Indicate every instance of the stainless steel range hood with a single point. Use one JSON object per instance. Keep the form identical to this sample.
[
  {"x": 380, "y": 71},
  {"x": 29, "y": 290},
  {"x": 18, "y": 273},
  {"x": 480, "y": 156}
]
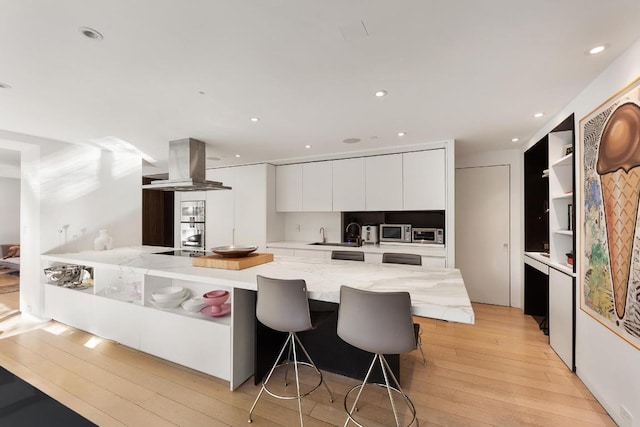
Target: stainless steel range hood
[{"x": 187, "y": 169}]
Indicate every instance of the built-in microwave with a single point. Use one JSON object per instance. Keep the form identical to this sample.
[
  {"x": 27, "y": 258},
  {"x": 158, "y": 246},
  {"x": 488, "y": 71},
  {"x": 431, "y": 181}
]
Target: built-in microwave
[
  {"x": 395, "y": 233},
  {"x": 427, "y": 235}
]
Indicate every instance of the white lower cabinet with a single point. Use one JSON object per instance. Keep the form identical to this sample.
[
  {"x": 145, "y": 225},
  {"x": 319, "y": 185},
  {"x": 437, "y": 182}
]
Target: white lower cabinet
[
  {"x": 436, "y": 262},
  {"x": 70, "y": 307},
  {"x": 118, "y": 321},
  {"x": 202, "y": 343},
  {"x": 197, "y": 343},
  {"x": 308, "y": 253},
  {"x": 561, "y": 315}
]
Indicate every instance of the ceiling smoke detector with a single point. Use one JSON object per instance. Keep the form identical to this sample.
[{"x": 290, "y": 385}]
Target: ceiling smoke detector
[{"x": 90, "y": 33}]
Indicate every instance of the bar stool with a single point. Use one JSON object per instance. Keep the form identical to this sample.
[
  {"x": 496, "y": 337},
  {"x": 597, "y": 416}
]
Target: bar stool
[
  {"x": 395, "y": 258},
  {"x": 408, "y": 259},
  {"x": 380, "y": 323},
  {"x": 282, "y": 305},
  {"x": 348, "y": 255}
]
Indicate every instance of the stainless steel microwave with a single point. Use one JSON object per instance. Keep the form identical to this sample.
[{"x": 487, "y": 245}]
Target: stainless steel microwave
[
  {"x": 395, "y": 233},
  {"x": 427, "y": 235}
]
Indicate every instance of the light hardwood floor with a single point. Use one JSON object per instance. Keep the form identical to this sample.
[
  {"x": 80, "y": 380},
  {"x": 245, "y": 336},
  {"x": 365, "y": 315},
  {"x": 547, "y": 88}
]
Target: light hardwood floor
[{"x": 500, "y": 371}]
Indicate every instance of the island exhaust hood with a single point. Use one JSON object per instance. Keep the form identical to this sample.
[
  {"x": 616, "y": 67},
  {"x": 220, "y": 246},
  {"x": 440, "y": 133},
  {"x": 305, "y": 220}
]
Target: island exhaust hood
[{"x": 187, "y": 169}]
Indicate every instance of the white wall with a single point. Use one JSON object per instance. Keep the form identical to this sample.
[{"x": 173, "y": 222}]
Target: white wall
[
  {"x": 9, "y": 210},
  {"x": 513, "y": 158},
  {"x": 609, "y": 366},
  {"x": 84, "y": 189},
  {"x": 305, "y": 226},
  {"x": 64, "y": 184}
]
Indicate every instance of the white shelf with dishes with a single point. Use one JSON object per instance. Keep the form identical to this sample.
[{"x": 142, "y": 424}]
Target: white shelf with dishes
[{"x": 120, "y": 306}]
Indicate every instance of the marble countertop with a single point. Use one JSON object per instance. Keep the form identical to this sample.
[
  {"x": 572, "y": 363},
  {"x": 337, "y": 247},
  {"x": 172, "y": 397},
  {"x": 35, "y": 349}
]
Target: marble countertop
[
  {"x": 432, "y": 250},
  {"x": 437, "y": 293}
]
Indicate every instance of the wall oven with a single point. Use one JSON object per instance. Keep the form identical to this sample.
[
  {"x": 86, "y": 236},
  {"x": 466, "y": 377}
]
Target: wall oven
[
  {"x": 395, "y": 233},
  {"x": 192, "y": 224},
  {"x": 427, "y": 235}
]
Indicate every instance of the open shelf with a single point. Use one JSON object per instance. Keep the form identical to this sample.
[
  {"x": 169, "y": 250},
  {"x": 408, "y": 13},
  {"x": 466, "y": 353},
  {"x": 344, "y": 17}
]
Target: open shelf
[
  {"x": 568, "y": 195},
  {"x": 564, "y": 161}
]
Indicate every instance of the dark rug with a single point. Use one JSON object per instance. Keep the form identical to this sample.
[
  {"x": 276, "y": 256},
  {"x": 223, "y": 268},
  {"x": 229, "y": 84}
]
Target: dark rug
[{"x": 23, "y": 405}]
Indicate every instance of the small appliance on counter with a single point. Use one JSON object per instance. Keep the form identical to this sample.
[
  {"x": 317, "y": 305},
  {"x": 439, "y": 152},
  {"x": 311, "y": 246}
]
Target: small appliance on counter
[
  {"x": 395, "y": 233},
  {"x": 369, "y": 234},
  {"x": 427, "y": 235}
]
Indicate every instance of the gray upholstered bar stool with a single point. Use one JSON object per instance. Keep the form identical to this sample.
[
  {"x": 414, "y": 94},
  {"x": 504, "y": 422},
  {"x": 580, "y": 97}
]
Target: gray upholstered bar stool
[
  {"x": 408, "y": 259},
  {"x": 282, "y": 305},
  {"x": 380, "y": 323},
  {"x": 348, "y": 255}
]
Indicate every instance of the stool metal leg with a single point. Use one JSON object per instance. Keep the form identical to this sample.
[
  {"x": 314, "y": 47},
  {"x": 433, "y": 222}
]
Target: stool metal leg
[
  {"x": 286, "y": 369},
  {"x": 273, "y": 368},
  {"x": 386, "y": 371},
  {"x": 290, "y": 344},
  {"x": 315, "y": 367}
]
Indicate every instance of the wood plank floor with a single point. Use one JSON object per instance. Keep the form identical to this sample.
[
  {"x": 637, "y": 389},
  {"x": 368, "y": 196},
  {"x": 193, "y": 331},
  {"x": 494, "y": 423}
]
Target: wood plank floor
[{"x": 500, "y": 372}]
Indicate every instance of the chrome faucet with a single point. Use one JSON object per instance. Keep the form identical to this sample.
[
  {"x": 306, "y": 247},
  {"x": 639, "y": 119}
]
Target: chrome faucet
[
  {"x": 359, "y": 235},
  {"x": 324, "y": 239}
]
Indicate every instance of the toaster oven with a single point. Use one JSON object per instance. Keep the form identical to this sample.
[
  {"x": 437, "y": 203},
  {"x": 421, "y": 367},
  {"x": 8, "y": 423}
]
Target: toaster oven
[{"x": 427, "y": 235}]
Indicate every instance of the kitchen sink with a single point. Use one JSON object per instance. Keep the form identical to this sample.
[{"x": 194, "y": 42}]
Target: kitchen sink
[{"x": 349, "y": 244}]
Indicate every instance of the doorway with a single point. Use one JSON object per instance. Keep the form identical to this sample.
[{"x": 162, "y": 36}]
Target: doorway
[{"x": 483, "y": 232}]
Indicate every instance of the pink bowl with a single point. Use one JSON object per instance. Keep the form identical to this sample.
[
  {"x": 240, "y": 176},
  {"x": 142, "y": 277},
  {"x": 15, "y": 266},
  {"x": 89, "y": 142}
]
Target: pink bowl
[{"x": 216, "y": 298}]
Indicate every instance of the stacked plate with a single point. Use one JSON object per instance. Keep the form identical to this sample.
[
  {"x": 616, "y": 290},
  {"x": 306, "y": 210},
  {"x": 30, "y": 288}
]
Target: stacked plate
[{"x": 169, "y": 297}]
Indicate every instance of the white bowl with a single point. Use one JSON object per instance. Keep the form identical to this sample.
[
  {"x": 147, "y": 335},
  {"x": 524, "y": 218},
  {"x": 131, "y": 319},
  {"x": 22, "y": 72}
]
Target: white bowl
[
  {"x": 194, "y": 305},
  {"x": 172, "y": 303},
  {"x": 170, "y": 293}
]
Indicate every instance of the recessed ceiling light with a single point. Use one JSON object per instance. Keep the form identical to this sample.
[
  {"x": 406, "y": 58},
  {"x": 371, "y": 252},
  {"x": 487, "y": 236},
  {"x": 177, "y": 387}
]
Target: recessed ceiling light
[
  {"x": 351, "y": 140},
  {"x": 4, "y": 86},
  {"x": 201, "y": 92},
  {"x": 254, "y": 119},
  {"x": 538, "y": 115},
  {"x": 515, "y": 139},
  {"x": 381, "y": 93},
  {"x": 307, "y": 146},
  {"x": 374, "y": 137},
  {"x": 402, "y": 133},
  {"x": 597, "y": 49},
  {"x": 90, "y": 33},
  {"x": 237, "y": 155}
]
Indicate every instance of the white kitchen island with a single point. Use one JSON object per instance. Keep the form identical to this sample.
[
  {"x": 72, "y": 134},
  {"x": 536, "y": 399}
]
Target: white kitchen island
[{"x": 117, "y": 307}]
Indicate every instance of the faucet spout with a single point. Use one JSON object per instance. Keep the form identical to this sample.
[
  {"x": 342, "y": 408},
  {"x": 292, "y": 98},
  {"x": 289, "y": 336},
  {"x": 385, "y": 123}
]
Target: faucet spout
[{"x": 324, "y": 239}]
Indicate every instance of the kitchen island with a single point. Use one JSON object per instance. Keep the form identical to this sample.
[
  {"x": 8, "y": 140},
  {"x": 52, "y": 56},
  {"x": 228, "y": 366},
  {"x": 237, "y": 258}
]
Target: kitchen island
[{"x": 118, "y": 306}]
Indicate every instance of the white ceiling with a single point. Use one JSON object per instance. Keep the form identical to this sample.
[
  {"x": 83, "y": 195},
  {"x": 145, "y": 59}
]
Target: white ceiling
[{"x": 471, "y": 70}]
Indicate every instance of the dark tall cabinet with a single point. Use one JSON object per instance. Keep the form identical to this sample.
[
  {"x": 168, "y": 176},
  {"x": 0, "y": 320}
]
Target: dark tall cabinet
[{"x": 157, "y": 216}]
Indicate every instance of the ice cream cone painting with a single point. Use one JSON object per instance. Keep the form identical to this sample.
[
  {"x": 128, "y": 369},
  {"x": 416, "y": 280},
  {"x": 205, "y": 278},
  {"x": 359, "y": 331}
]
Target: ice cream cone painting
[
  {"x": 610, "y": 243},
  {"x": 618, "y": 161}
]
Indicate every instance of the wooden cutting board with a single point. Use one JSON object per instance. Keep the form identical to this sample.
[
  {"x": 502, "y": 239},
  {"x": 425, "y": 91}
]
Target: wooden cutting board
[{"x": 217, "y": 261}]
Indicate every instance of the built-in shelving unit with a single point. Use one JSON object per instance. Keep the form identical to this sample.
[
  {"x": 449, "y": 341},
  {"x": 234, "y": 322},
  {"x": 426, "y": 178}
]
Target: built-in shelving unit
[{"x": 561, "y": 191}]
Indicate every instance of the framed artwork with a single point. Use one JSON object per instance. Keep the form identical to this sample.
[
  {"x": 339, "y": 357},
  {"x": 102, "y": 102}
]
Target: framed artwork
[{"x": 610, "y": 245}]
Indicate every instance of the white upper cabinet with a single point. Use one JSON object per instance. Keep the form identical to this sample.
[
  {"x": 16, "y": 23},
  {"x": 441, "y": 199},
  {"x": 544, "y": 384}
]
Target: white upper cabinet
[
  {"x": 219, "y": 209},
  {"x": 289, "y": 188},
  {"x": 349, "y": 185},
  {"x": 384, "y": 183},
  {"x": 317, "y": 187},
  {"x": 237, "y": 216},
  {"x": 424, "y": 180}
]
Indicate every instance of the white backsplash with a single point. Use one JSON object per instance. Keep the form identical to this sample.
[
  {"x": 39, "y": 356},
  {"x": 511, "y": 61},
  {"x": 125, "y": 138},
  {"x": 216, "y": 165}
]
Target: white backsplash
[{"x": 305, "y": 226}]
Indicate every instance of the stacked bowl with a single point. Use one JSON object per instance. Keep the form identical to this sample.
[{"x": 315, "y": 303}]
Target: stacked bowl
[
  {"x": 215, "y": 301},
  {"x": 169, "y": 297}
]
